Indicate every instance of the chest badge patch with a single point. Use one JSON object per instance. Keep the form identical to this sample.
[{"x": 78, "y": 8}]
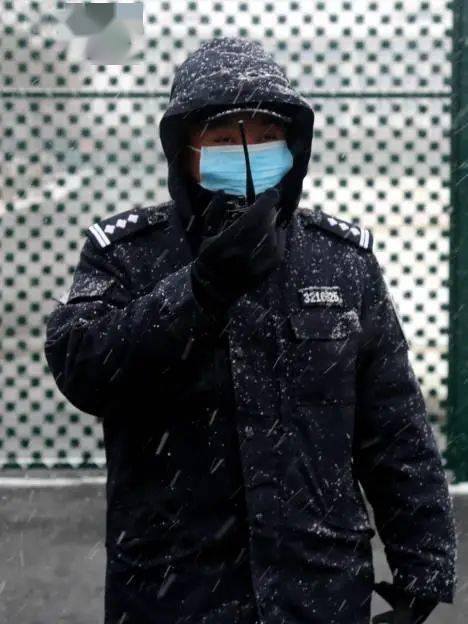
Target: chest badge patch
[{"x": 320, "y": 295}]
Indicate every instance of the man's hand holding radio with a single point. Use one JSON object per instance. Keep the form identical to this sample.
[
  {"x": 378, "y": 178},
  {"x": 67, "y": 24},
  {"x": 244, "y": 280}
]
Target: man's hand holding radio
[{"x": 231, "y": 261}]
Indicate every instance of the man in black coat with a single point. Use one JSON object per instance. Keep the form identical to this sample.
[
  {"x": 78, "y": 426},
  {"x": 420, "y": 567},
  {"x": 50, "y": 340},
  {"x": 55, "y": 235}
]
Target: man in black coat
[{"x": 250, "y": 373}]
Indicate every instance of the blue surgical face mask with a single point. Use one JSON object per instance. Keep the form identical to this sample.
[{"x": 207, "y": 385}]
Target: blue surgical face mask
[{"x": 223, "y": 166}]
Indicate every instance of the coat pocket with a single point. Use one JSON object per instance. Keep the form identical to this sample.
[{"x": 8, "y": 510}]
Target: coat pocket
[
  {"x": 321, "y": 471},
  {"x": 323, "y": 349}
]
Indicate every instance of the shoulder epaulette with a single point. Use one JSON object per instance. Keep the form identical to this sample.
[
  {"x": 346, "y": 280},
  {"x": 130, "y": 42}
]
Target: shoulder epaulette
[
  {"x": 122, "y": 224},
  {"x": 360, "y": 236}
]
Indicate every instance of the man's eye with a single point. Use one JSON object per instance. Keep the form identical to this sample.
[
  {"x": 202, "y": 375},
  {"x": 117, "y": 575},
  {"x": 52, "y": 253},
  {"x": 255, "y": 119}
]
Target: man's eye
[{"x": 223, "y": 139}]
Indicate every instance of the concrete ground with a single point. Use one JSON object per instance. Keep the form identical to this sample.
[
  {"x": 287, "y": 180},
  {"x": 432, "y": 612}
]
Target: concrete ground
[{"x": 52, "y": 554}]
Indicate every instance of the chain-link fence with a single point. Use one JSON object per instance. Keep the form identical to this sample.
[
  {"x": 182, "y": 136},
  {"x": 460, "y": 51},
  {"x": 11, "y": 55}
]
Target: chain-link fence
[{"x": 79, "y": 141}]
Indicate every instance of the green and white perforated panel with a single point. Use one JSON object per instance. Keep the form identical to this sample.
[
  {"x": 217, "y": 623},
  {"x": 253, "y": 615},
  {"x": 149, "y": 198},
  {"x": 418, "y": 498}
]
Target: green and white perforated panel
[{"x": 79, "y": 140}]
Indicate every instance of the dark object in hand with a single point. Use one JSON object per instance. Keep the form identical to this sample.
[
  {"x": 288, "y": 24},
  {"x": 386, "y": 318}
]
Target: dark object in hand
[
  {"x": 239, "y": 257},
  {"x": 407, "y": 609}
]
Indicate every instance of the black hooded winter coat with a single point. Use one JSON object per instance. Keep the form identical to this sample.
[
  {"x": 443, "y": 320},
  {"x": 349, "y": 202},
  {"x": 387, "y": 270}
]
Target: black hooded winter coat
[{"x": 239, "y": 447}]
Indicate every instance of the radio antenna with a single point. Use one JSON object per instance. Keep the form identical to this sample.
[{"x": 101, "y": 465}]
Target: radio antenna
[{"x": 249, "y": 187}]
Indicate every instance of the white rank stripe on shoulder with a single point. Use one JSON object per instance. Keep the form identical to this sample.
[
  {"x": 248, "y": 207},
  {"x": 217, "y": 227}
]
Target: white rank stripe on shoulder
[
  {"x": 363, "y": 233},
  {"x": 99, "y": 235},
  {"x": 364, "y": 240}
]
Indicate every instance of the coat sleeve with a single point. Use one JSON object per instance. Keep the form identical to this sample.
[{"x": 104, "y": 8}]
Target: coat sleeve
[
  {"x": 102, "y": 343},
  {"x": 396, "y": 457}
]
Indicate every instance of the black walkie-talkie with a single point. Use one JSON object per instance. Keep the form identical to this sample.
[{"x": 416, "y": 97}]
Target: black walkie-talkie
[{"x": 249, "y": 187}]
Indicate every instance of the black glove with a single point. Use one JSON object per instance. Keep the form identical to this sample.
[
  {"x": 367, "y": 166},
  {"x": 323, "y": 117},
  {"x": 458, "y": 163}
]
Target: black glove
[
  {"x": 407, "y": 609},
  {"x": 237, "y": 258}
]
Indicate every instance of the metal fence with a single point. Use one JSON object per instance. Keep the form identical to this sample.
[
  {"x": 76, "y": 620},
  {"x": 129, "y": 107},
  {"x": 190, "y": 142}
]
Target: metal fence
[{"x": 79, "y": 141}]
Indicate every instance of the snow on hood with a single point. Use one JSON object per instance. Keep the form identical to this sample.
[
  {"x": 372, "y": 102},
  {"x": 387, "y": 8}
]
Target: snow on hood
[{"x": 233, "y": 71}]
